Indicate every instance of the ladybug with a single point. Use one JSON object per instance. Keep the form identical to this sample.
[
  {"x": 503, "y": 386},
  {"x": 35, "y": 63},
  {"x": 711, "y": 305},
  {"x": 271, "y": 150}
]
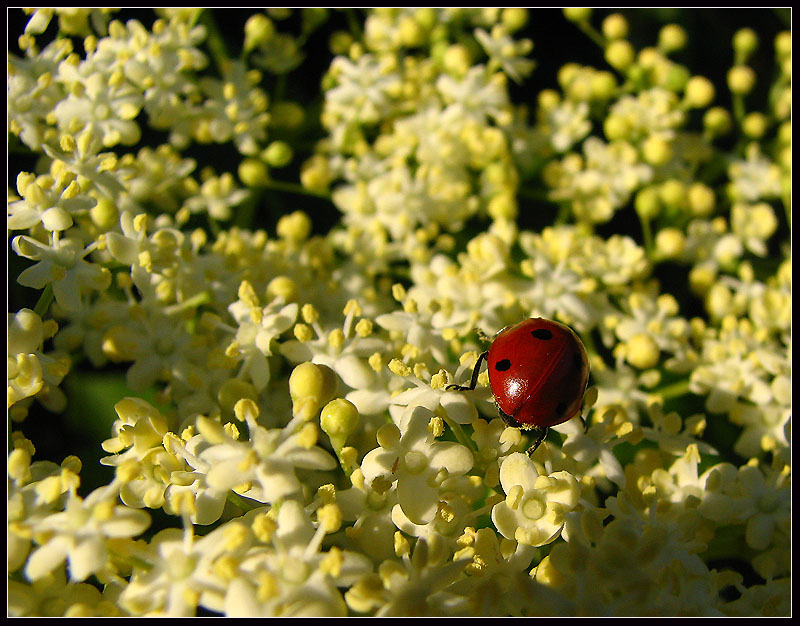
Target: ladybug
[{"x": 538, "y": 372}]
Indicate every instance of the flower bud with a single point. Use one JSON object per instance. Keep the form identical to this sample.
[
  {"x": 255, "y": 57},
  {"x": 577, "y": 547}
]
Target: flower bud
[
  {"x": 754, "y": 125},
  {"x": 578, "y": 14},
  {"x": 670, "y": 242},
  {"x": 278, "y": 154},
  {"x": 741, "y": 79},
  {"x": 701, "y": 199},
  {"x": 656, "y": 150},
  {"x": 717, "y": 121},
  {"x": 671, "y": 38},
  {"x": 615, "y": 26},
  {"x": 642, "y": 351},
  {"x": 310, "y": 387},
  {"x": 699, "y": 92},
  {"x": 620, "y": 54},
  {"x": 253, "y": 172},
  {"x": 745, "y": 43},
  {"x": 339, "y": 418}
]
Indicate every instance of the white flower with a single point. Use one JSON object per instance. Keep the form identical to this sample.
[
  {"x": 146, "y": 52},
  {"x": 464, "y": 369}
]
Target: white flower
[
  {"x": 419, "y": 584},
  {"x": 601, "y": 182},
  {"x": 363, "y": 92},
  {"x": 48, "y": 202},
  {"x": 79, "y": 534},
  {"x": 347, "y": 352},
  {"x": 535, "y": 505},
  {"x": 568, "y": 123},
  {"x": 456, "y": 406},
  {"x": 410, "y": 456},
  {"x": 63, "y": 266},
  {"x": 478, "y": 95},
  {"x": 294, "y": 577},
  {"x": 105, "y": 105},
  {"x": 263, "y": 468},
  {"x": 256, "y": 329},
  {"x": 32, "y": 92},
  {"x": 755, "y": 177},
  {"x": 180, "y": 576},
  {"x": 217, "y": 197},
  {"x": 159, "y": 64},
  {"x": 653, "y": 111},
  {"x": 593, "y": 451},
  {"x": 505, "y": 52}
]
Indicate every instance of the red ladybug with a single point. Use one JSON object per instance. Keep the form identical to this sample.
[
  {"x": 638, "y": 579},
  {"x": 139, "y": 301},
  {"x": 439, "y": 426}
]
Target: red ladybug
[{"x": 538, "y": 371}]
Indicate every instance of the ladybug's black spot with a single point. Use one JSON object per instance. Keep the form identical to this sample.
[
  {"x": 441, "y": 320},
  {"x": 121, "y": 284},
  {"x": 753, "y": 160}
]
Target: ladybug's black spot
[
  {"x": 561, "y": 408},
  {"x": 542, "y": 333},
  {"x": 577, "y": 361},
  {"x": 502, "y": 365}
]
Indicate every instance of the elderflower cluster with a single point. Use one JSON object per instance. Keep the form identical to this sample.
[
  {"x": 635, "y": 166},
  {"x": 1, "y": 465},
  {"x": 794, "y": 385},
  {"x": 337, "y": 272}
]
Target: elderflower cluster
[{"x": 256, "y": 255}]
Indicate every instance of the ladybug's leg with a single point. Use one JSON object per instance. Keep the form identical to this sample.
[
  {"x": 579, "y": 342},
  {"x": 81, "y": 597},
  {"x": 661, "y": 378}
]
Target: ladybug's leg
[
  {"x": 539, "y": 439},
  {"x": 476, "y": 371},
  {"x": 510, "y": 421}
]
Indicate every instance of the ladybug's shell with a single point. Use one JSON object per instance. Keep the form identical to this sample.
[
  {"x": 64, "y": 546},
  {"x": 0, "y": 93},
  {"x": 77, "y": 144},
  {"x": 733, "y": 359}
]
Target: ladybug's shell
[{"x": 538, "y": 370}]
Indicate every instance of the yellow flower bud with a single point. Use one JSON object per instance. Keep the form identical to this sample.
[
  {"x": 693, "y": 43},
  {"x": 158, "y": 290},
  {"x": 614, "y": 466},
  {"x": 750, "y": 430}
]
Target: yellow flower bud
[
  {"x": 673, "y": 194},
  {"x": 578, "y": 14},
  {"x": 620, "y": 54},
  {"x": 616, "y": 127},
  {"x": 670, "y": 242},
  {"x": 282, "y": 287},
  {"x": 701, "y": 277},
  {"x": 648, "y": 203},
  {"x": 699, "y": 92},
  {"x": 339, "y": 418},
  {"x": 277, "y": 154},
  {"x": 745, "y": 42},
  {"x": 502, "y": 206},
  {"x": 457, "y": 60},
  {"x": 741, "y": 79},
  {"x": 642, "y": 351},
  {"x": 701, "y": 199},
  {"x": 104, "y": 214},
  {"x": 754, "y": 125},
  {"x": 656, "y": 150},
  {"x": 615, "y": 26},
  {"x": 717, "y": 121},
  {"x": 514, "y": 18},
  {"x": 310, "y": 387},
  {"x": 783, "y": 44},
  {"x": 671, "y": 38},
  {"x": 253, "y": 172},
  {"x": 295, "y": 227}
]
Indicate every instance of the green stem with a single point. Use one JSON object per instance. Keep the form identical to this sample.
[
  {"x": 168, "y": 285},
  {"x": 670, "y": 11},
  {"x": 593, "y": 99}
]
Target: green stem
[
  {"x": 242, "y": 502},
  {"x": 738, "y": 108},
  {"x": 592, "y": 34},
  {"x": 45, "y": 300},
  {"x": 133, "y": 560},
  {"x": 647, "y": 236},
  {"x": 215, "y": 41},
  {"x": 280, "y": 185},
  {"x": 673, "y": 390},
  {"x": 461, "y": 436},
  {"x": 348, "y": 471},
  {"x": 195, "y": 301}
]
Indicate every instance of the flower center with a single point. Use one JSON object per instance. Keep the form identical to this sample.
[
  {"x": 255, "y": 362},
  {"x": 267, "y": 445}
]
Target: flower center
[
  {"x": 533, "y": 508},
  {"x": 416, "y": 462}
]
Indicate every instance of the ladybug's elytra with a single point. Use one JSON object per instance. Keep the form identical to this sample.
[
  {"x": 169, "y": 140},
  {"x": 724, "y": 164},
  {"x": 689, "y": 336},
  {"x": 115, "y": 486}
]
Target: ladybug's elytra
[{"x": 538, "y": 372}]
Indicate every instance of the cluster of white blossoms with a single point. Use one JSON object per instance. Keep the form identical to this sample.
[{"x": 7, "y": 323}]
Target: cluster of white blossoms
[{"x": 288, "y": 442}]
